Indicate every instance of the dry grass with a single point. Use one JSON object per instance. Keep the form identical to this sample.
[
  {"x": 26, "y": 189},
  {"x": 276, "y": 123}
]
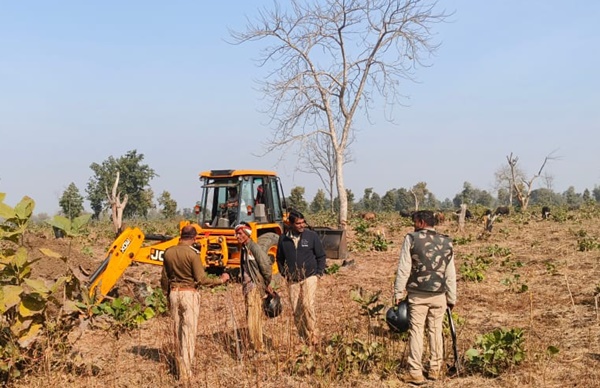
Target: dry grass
[{"x": 558, "y": 309}]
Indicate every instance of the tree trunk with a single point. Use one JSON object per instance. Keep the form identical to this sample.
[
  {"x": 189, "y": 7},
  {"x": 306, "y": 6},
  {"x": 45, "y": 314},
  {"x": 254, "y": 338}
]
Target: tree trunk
[
  {"x": 343, "y": 218},
  {"x": 461, "y": 217},
  {"x": 117, "y": 206}
]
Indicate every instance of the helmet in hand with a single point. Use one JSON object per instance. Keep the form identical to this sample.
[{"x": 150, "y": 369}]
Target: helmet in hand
[
  {"x": 272, "y": 305},
  {"x": 397, "y": 317}
]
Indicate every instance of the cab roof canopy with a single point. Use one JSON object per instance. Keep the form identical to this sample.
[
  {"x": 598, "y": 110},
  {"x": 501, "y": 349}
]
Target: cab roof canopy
[{"x": 234, "y": 173}]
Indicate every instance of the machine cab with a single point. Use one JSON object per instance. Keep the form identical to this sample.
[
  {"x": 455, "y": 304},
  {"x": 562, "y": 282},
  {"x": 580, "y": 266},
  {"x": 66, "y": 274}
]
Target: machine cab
[{"x": 233, "y": 196}]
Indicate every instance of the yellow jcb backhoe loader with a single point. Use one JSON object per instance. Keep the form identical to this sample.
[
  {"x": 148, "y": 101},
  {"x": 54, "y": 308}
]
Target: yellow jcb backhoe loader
[{"x": 259, "y": 201}]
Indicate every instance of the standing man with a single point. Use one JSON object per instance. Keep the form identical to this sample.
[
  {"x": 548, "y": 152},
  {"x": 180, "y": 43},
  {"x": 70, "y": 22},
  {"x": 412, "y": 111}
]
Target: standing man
[
  {"x": 181, "y": 275},
  {"x": 426, "y": 270},
  {"x": 301, "y": 260},
  {"x": 256, "y": 278}
]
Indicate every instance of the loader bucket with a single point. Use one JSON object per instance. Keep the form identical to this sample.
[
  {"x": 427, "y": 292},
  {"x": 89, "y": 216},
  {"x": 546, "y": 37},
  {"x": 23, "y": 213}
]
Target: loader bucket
[{"x": 334, "y": 242}]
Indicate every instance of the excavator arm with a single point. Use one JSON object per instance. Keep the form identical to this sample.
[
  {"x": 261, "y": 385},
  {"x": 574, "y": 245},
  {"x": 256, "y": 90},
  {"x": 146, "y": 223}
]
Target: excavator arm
[
  {"x": 133, "y": 246},
  {"x": 126, "y": 249}
]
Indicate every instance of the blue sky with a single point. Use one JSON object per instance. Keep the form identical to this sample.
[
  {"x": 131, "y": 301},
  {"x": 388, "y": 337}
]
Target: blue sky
[{"x": 81, "y": 81}]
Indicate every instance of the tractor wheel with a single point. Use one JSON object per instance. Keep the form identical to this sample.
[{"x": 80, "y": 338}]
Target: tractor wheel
[{"x": 268, "y": 242}]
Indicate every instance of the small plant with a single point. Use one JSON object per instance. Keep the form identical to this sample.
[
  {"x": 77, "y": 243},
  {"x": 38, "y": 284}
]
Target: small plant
[
  {"x": 368, "y": 301},
  {"x": 362, "y": 356},
  {"x": 497, "y": 351},
  {"x": 504, "y": 232},
  {"x": 551, "y": 268},
  {"x": 129, "y": 314},
  {"x": 157, "y": 301},
  {"x": 497, "y": 251},
  {"x": 586, "y": 242},
  {"x": 332, "y": 269},
  {"x": 462, "y": 240},
  {"x": 512, "y": 265},
  {"x": 457, "y": 319},
  {"x": 380, "y": 244},
  {"x": 70, "y": 228},
  {"x": 87, "y": 251},
  {"x": 515, "y": 284},
  {"x": 362, "y": 227},
  {"x": 340, "y": 358},
  {"x": 473, "y": 269}
]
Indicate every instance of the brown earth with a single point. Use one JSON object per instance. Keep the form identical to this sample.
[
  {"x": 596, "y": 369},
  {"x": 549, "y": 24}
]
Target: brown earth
[{"x": 558, "y": 309}]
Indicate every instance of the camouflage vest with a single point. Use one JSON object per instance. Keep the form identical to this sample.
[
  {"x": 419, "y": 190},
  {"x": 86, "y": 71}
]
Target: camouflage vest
[{"x": 430, "y": 253}]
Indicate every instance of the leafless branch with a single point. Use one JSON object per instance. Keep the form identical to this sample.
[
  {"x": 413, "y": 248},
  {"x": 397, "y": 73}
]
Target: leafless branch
[{"x": 329, "y": 60}]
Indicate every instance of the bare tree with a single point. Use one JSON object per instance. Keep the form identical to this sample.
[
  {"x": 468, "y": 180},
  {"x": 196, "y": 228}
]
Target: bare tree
[
  {"x": 319, "y": 159},
  {"x": 522, "y": 186},
  {"x": 117, "y": 205},
  {"x": 504, "y": 180},
  {"x": 419, "y": 192},
  {"x": 331, "y": 59}
]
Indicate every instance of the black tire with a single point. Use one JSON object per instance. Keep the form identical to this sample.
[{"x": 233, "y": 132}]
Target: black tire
[{"x": 267, "y": 241}]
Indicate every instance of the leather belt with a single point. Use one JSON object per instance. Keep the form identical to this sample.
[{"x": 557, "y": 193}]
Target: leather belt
[{"x": 184, "y": 289}]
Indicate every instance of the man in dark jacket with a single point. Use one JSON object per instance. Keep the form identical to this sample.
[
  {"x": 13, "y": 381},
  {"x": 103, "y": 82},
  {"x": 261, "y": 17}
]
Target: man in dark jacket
[
  {"x": 301, "y": 260},
  {"x": 256, "y": 278}
]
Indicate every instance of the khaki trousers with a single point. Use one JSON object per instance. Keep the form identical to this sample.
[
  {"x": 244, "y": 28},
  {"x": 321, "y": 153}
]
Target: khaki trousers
[
  {"x": 185, "y": 309},
  {"x": 302, "y": 297},
  {"x": 254, "y": 317},
  {"x": 425, "y": 308}
]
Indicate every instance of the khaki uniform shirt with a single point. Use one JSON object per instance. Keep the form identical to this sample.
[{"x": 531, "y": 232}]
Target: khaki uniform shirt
[{"x": 182, "y": 267}]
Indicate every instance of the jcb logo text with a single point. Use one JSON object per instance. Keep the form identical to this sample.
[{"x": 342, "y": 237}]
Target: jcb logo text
[
  {"x": 156, "y": 254},
  {"x": 125, "y": 245}
]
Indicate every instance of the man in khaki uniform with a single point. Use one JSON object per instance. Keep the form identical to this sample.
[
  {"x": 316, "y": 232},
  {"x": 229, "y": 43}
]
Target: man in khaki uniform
[
  {"x": 181, "y": 275},
  {"x": 426, "y": 271}
]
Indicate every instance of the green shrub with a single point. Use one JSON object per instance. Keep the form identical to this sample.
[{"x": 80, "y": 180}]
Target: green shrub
[
  {"x": 380, "y": 244},
  {"x": 332, "y": 269},
  {"x": 473, "y": 268},
  {"x": 24, "y": 302},
  {"x": 125, "y": 312},
  {"x": 341, "y": 357},
  {"x": 497, "y": 351},
  {"x": 585, "y": 242},
  {"x": 515, "y": 284},
  {"x": 496, "y": 251},
  {"x": 368, "y": 301},
  {"x": 462, "y": 240}
]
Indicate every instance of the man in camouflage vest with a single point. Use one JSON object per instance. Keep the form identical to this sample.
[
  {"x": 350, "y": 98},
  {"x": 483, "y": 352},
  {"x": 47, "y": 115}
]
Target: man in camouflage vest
[{"x": 426, "y": 271}]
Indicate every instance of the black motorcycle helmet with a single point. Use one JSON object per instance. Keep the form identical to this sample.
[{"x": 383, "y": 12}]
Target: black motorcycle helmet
[
  {"x": 397, "y": 317},
  {"x": 272, "y": 305}
]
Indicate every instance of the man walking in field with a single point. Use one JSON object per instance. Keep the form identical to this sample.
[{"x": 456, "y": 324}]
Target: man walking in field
[
  {"x": 301, "y": 260},
  {"x": 256, "y": 271},
  {"x": 426, "y": 271},
  {"x": 182, "y": 274}
]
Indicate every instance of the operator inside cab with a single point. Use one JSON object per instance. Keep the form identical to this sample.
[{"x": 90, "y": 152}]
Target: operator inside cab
[{"x": 232, "y": 204}]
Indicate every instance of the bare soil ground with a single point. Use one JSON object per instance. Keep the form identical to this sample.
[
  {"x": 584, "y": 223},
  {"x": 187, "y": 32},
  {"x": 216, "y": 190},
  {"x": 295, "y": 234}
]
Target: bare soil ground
[{"x": 558, "y": 309}]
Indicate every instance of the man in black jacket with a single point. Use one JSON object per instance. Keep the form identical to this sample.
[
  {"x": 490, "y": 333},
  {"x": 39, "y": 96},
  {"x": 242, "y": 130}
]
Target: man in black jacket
[{"x": 301, "y": 260}]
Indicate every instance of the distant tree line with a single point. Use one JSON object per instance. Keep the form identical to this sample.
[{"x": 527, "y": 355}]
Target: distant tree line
[
  {"x": 419, "y": 197},
  {"x": 136, "y": 177}
]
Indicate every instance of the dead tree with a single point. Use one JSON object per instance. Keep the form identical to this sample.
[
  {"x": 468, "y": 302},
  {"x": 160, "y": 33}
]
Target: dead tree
[
  {"x": 331, "y": 61},
  {"x": 416, "y": 200},
  {"x": 117, "y": 206},
  {"x": 523, "y": 187},
  {"x": 461, "y": 217}
]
